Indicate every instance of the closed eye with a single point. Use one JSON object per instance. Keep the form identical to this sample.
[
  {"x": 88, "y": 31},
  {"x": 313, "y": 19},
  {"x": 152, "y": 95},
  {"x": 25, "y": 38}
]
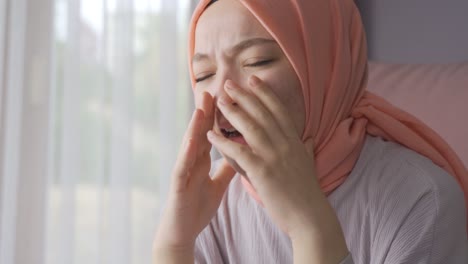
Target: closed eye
[
  {"x": 255, "y": 64},
  {"x": 201, "y": 79},
  {"x": 259, "y": 63}
]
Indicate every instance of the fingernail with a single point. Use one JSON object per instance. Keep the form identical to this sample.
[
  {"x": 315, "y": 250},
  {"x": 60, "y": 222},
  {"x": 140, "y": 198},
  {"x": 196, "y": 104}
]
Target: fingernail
[
  {"x": 210, "y": 134},
  {"x": 254, "y": 80},
  {"x": 223, "y": 100},
  {"x": 194, "y": 113},
  {"x": 206, "y": 95},
  {"x": 230, "y": 85}
]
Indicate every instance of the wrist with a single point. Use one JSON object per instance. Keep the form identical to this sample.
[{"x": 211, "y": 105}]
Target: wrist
[
  {"x": 317, "y": 220},
  {"x": 320, "y": 239},
  {"x": 324, "y": 250},
  {"x": 165, "y": 254},
  {"x": 167, "y": 249}
]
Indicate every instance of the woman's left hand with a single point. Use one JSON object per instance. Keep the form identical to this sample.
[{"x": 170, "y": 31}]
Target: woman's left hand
[{"x": 277, "y": 163}]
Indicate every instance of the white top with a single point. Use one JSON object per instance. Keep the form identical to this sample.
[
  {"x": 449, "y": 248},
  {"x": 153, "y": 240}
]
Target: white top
[{"x": 396, "y": 206}]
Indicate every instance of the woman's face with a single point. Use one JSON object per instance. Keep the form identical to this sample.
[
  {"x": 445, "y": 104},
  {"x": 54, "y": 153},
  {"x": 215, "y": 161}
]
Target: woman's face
[{"x": 230, "y": 44}]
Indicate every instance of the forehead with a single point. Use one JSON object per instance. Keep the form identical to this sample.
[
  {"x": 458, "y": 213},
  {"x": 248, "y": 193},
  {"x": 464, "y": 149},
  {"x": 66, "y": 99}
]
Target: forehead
[{"x": 226, "y": 23}]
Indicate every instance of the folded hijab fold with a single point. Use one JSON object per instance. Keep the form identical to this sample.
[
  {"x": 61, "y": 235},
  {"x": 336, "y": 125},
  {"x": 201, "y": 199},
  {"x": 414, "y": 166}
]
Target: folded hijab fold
[{"x": 325, "y": 42}]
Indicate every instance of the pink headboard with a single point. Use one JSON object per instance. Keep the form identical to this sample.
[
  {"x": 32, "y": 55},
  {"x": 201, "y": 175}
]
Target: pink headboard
[
  {"x": 435, "y": 93},
  {"x": 419, "y": 61}
]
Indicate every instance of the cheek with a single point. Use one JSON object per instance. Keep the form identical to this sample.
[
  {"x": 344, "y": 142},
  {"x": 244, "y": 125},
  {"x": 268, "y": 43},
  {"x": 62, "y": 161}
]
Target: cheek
[{"x": 285, "y": 84}]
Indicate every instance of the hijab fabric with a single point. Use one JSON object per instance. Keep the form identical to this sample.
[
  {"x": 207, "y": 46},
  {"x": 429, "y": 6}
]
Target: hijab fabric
[{"x": 325, "y": 42}]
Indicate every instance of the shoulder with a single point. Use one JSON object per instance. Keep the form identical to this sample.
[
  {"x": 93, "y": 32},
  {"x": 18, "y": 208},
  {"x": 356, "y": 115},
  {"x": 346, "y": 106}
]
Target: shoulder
[
  {"x": 387, "y": 171},
  {"x": 397, "y": 175},
  {"x": 409, "y": 205}
]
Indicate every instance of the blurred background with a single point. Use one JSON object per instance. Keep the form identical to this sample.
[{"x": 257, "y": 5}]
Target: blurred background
[{"x": 95, "y": 98}]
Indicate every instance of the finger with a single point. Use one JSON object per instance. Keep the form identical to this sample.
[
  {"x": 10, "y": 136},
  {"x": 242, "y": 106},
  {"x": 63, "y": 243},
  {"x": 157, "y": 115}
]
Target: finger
[
  {"x": 254, "y": 134},
  {"x": 255, "y": 109},
  {"x": 224, "y": 175},
  {"x": 207, "y": 106},
  {"x": 241, "y": 154},
  {"x": 188, "y": 152},
  {"x": 208, "y": 109},
  {"x": 274, "y": 105},
  {"x": 193, "y": 129},
  {"x": 183, "y": 165}
]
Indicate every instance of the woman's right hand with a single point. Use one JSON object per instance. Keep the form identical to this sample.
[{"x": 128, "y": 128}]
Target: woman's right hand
[{"x": 194, "y": 196}]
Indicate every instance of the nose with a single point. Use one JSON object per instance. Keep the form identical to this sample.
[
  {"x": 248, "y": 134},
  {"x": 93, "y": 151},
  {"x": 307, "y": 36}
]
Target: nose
[{"x": 217, "y": 87}]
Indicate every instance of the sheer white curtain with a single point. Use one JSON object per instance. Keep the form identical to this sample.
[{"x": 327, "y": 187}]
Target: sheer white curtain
[{"x": 95, "y": 97}]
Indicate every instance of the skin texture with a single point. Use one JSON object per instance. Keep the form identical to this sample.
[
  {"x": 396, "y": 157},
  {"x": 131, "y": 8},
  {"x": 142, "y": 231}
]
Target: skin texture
[
  {"x": 245, "y": 81},
  {"x": 221, "y": 64}
]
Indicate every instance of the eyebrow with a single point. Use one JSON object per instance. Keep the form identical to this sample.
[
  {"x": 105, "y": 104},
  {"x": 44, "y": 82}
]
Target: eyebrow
[{"x": 239, "y": 47}]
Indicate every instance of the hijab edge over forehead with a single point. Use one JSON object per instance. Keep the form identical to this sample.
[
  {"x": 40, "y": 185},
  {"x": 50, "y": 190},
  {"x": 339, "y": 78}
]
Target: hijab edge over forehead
[
  {"x": 205, "y": 4},
  {"x": 306, "y": 41}
]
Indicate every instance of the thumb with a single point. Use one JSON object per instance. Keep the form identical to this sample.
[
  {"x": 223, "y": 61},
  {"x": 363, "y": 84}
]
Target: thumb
[{"x": 224, "y": 175}]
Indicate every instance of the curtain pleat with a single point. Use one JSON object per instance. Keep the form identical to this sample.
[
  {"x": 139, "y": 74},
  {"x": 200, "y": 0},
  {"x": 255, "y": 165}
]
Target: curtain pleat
[
  {"x": 3, "y": 29},
  {"x": 121, "y": 135},
  {"x": 12, "y": 125},
  {"x": 168, "y": 83},
  {"x": 69, "y": 139},
  {"x": 101, "y": 133},
  {"x": 32, "y": 181}
]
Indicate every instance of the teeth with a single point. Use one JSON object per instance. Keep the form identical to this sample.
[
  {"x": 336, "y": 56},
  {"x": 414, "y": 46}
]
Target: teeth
[
  {"x": 229, "y": 133},
  {"x": 230, "y": 130}
]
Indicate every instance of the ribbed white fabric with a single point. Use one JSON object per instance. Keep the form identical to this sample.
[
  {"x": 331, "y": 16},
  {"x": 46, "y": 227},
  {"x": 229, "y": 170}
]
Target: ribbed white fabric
[{"x": 396, "y": 207}]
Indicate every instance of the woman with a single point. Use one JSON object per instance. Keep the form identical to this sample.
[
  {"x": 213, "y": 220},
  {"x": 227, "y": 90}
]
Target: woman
[{"x": 315, "y": 169}]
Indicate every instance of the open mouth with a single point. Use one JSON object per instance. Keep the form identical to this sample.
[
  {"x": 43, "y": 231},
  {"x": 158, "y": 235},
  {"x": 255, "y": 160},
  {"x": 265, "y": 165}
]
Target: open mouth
[{"x": 230, "y": 133}]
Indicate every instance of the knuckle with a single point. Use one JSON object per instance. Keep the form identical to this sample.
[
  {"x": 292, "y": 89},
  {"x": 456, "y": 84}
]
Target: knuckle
[
  {"x": 253, "y": 128},
  {"x": 235, "y": 111},
  {"x": 263, "y": 115},
  {"x": 284, "y": 149},
  {"x": 242, "y": 150},
  {"x": 276, "y": 158},
  {"x": 263, "y": 170}
]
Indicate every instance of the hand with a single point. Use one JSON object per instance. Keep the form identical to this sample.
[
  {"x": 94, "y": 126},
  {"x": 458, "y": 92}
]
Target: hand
[
  {"x": 194, "y": 197},
  {"x": 277, "y": 163}
]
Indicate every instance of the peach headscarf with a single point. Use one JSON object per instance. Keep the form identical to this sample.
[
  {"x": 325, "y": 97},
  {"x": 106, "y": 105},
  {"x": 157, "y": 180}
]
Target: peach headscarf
[{"x": 325, "y": 42}]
